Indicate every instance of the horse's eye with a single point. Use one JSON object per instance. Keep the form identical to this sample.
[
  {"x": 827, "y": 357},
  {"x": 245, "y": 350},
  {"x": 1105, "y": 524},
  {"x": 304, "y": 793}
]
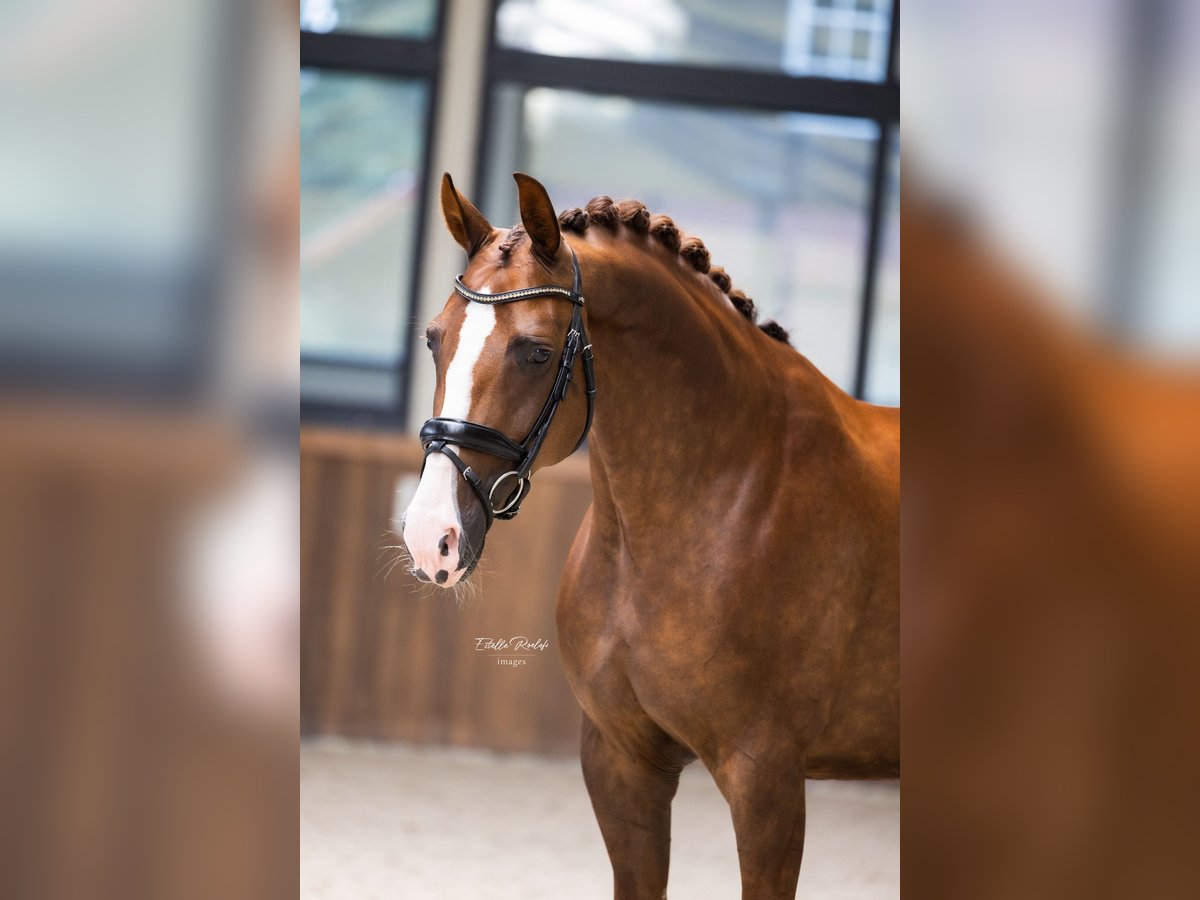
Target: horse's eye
[{"x": 540, "y": 355}]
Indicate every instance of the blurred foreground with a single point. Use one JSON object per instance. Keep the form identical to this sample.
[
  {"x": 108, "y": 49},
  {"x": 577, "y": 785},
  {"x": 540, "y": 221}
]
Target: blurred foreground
[
  {"x": 1052, "y": 594},
  {"x": 148, "y": 411},
  {"x": 1051, "y": 636}
]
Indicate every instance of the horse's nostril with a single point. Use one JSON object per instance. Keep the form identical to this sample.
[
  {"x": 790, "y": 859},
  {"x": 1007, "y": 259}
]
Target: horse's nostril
[{"x": 444, "y": 545}]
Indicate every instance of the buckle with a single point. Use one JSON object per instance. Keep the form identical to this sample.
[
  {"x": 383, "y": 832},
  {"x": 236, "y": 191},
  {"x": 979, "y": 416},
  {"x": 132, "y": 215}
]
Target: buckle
[{"x": 570, "y": 349}]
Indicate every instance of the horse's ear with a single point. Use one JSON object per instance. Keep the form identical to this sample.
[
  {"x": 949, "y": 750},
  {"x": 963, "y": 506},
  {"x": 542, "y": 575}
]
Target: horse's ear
[
  {"x": 466, "y": 223},
  {"x": 538, "y": 216}
]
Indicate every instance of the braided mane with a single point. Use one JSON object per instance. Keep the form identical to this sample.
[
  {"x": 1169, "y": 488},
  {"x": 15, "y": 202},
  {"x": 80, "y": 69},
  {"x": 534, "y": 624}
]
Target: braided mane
[{"x": 604, "y": 213}]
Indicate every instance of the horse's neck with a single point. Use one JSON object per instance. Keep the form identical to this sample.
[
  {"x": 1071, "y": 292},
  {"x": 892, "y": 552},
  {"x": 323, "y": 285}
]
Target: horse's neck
[{"x": 687, "y": 395}]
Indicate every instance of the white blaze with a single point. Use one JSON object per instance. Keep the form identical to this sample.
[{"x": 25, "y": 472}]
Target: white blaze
[
  {"x": 478, "y": 323},
  {"x": 434, "y": 508}
]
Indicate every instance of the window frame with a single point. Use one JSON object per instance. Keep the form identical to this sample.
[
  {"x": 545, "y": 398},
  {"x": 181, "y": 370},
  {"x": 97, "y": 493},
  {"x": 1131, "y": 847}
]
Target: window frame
[{"x": 416, "y": 59}]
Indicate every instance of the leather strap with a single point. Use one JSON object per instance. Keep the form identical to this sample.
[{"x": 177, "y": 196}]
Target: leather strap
[
  {"x": 476, "y": 483},
  {"x": 469, "y": 434}
]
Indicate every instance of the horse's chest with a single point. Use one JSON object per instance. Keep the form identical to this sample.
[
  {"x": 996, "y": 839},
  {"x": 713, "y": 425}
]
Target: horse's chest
[{"x": 624, "y": 661}]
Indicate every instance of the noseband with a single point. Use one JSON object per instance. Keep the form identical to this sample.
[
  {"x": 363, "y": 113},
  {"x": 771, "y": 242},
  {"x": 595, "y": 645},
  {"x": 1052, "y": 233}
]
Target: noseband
[{"x": 440, "y": 433}]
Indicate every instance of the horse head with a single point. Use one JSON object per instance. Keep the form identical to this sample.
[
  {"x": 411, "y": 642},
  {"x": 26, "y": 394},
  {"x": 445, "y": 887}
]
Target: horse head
[{"x": 506, "y": 401}]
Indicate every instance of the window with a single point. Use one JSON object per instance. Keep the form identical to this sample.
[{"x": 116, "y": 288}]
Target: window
[
  {"x": 767, "y": 128},
  {"x": 368, "y": 73},
  {"x": 780, "y": 199},
  {"x": 360, "y": 177}
]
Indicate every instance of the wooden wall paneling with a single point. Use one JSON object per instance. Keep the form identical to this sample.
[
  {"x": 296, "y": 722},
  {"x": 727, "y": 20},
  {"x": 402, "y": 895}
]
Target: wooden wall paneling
[
  {"x": 370, "y": 596},
  {"x": 339, "y": 542}
]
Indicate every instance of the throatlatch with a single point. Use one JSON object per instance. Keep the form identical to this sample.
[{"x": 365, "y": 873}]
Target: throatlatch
[{"x": 440, "y": 433}]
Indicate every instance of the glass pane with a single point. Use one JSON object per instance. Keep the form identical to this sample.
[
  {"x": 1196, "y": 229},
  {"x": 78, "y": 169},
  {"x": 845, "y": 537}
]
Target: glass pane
[
  {"x": 883, "y": 359},
  {"x": 362, "y": 142},
  {"x": 780, "y": 199},
  {"x": 834, "y": 38},
  {"x": 1166, "y": 277},
  {"x": 405, "y": 18}
]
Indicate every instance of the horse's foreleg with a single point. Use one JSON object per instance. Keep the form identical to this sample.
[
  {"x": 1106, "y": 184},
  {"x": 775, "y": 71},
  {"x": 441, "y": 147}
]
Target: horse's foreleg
[
  {"x": 632, "y": 800},
  {"x": 766, "y": 797}
]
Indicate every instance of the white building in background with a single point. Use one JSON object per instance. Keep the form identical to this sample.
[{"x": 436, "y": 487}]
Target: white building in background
[{"x": 837, "y": 38}]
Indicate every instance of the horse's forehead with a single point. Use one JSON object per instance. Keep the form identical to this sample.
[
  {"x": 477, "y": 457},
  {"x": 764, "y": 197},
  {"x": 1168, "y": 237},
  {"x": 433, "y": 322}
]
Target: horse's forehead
[
  {"x": 509, "y": 318},
  {"x": 505, "y": 271},
  {"x": 496, "y": 275}
]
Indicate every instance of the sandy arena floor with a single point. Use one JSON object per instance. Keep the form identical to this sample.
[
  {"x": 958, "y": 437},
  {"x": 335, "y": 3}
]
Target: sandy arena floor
[{"x": 399, "y": 822}]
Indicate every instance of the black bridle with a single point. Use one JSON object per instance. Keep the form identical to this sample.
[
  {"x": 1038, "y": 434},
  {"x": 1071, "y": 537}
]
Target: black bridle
[{"x": 439, "y": 433}]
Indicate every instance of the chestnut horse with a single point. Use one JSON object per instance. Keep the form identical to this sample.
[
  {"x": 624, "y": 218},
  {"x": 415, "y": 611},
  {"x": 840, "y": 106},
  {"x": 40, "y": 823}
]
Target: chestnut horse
[{"x": 733, "y": 591}]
